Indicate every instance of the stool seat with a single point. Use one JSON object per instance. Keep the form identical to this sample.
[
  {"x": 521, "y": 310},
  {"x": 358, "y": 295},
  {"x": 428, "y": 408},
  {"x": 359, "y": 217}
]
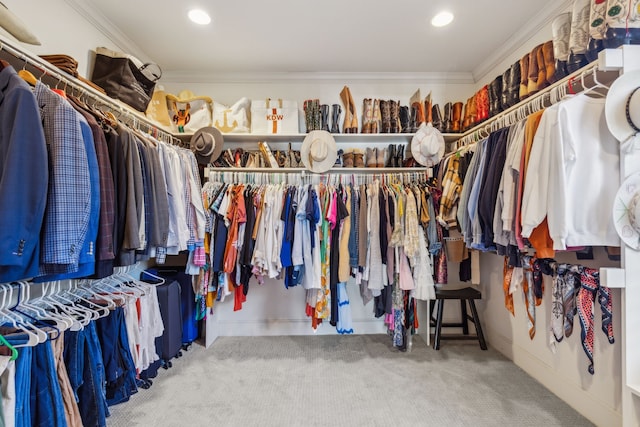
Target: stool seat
[{"x": 466, "y": 296}]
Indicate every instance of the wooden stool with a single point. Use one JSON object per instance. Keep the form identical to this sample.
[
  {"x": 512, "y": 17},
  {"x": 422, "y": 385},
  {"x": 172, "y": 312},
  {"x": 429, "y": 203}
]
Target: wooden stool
[{"x": 465, "y": 295}]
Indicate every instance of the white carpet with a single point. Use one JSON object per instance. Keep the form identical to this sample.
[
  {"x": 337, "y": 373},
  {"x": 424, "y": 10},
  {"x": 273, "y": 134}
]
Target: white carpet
[{"x": 342, "y": 381}]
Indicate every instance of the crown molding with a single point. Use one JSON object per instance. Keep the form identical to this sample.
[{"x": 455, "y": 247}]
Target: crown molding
[
  {"x": 108, "y": 29},
  {"x": 509, "y": 49},
  {"x": 315, "y": 77}
]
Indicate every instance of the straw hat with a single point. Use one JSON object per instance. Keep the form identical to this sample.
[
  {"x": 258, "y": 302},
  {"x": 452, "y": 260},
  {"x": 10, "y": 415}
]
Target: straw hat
[
  {"x": 622, "y": 110},
  {"x": 427, "y": 145},
  {"x": 626, "y": 211},
  {"x": 207, "y": 144},
  {"x": 319, "y": 151},
  {"x": 14, "y": 26}
]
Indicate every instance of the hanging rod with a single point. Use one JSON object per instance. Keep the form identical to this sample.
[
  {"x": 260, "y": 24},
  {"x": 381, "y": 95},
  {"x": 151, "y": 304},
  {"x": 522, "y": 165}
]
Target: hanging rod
[
  {"x": 571, "y": 84},
  {"x": 136, "y": 119},
  {"x": 353, "y": 171}
]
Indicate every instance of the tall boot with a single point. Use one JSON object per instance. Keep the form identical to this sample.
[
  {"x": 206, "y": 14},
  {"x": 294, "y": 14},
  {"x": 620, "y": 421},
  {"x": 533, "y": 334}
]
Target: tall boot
[
  {"x": 549, "y": 62},
  {"x": 533, "y": 71},
  {"x": 524, "y": 77},
  {"x": 428, "y": 110},
  {"x": 413, "y": 119},
  {"x": 354, "y": 114},
  {"x": 437, "y": 118},
  {"x": 385, "y": 111},
  {"x": 349, "y": 111},
  {"x": 448, "y": 118},
  {"x": 494, "y": 96},
  {"x": 473, "y": 111},
  {"x": 514, "y": 84},
  {"x": 542, "y": 68},
  {"x": 504, "y": 90},
  {"x": 377, "y": 118},
  {"x": 404, "y": 119},
  {"x": 395, "y": 116},
  {"x": 391, "y": 160},
  {"x": 457, "y": 117},
  {"x": 367, "y": 115},
  {"x": 465, "y": 116},
  {"x": 324, "y": 114},
  {"x": 335, "y": 118}
]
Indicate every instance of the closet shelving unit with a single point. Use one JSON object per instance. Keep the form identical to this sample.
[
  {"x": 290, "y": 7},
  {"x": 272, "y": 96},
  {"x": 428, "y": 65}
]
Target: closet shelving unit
[{"x": 341, "y": 138}]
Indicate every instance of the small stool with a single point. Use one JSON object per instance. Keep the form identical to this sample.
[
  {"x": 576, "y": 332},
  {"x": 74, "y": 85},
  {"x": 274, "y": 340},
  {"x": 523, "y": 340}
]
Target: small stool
[{"x": 465, "y": 295}]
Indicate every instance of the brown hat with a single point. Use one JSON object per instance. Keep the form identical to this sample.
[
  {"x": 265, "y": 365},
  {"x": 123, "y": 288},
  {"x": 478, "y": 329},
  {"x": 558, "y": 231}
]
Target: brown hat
[{"x": 207, "y": 144}]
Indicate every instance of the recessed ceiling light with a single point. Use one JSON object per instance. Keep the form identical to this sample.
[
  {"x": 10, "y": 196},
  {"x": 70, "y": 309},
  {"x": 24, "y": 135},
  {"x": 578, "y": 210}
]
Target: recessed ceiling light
[
  {"x": 442, "y": 19},
  {"x": 199, "y": 16}
]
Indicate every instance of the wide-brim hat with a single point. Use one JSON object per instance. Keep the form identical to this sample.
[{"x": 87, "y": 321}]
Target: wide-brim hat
[
  {"x": 207, "y": 143},
  {"x": 626, "y": 211},
  {"x": 427, "y": 145},
  {"x": 622, "y": 107},
  {"x": 14, "y": 26},
  {"x": 319, "y": 151}
]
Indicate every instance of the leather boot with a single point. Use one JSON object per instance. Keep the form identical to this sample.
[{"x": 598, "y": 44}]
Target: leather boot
[
  {"x": 437, "y": 118},
  {"x": 385, "y": 111},
  {"x": 371, "y": 157},
  {"x": 308, "y": 115},
  {"x": 466, "y": 121},
  {"x": 344, "y": 96},
  {"x": 335, "y": 118},
  {"x": 391, "y": 161},
  {"x": 428, "y": 110},
  {"x": 400, "y": 156},
  {"x": 381, "y": 155},
  {"x": 448, "y": 118},
  {"x": 504, "y": 90},
  {"x": 324, "y": 114},
  {"x": 367, "y": 115},
  {"x": 533, "y": 71},
  {"x": 494, "y": 96},
  {"x": 457, "y": 117},
  {"x": 413, "y": 120},
  {"x": 405, "y": 127},
  {"x": 514, "y": 85},
  {"x": 482, "y": 104},
  {"x": 354, "y": 114},
  {"x": 358, "y": 159},
  {"x": 377, "y": 119},
  {"x": 549, "y": 62},
  {"x": 395, "y": 116},
  {"x": 347, "y": 159},
  {"x": 472, "y": 112},
  {"x": 524, "y": 77},
  {"x": 561, "y": 70},
  {"x": 542, "y": 69}
]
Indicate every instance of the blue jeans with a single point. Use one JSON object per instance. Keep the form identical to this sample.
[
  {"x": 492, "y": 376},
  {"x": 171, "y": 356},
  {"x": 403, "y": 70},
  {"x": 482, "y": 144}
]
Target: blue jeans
[
  {"x": 120, "y": 371},
  {"x": 83, "y": 358},
  {"x": 23, "y": 380},
  {"x": 47, "y": 408}
]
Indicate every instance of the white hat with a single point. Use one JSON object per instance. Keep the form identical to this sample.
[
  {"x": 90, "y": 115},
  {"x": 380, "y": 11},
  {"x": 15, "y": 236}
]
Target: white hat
[
  {"x": 14, "y": 26},
  {"x": 626, "y": 211},
  {"x": 207, "y": 144},
  {"x": 427, "y": 145},
  {"x": 319, "y": 151},
  {"x": 622, "y": 109}
]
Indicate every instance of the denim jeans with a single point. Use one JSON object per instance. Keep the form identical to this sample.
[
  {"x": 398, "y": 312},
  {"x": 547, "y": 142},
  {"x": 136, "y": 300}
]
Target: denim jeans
[
  {"x": 120, "y": 371},
  {"x": 83, "y": 358},
  {"x": 47, "y": 407},
  {"x": 23, "y": 380}
]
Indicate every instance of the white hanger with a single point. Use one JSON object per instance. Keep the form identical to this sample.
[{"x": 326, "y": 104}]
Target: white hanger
[
  {"x": 62, "y": 323},
  {"x": 48, "y": 298},
  {"x": 35, "y": 334},
  {"x": 101, "y": 311}
]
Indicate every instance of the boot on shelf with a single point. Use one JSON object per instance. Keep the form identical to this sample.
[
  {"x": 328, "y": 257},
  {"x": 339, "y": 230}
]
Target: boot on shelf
[
  {"x": 308, "y": 115},
  {"x": 349, "y": 112},
  {"x": 400, "y": 156},
  {"x": 542, "y": 68},
  {"x": 367, "y": 115},
  {"x": 448, "y": 118},
  {"x": 514, "y": 84},
  {"x": 532, "y": 88},
  {"x": 428, "y": 110},
  {"x": 405, "y": 127},
  {"x": 549, "y": 62},
  {"x": 381, "y": 154},
  {"x": 437, "y": 117},
  {"x": 504, "y": 89},
  {"x": 348, "y": 159},
  {"x": 385, "y": 111},
  {"x": 371, "y": 157},
  {"x": 524, "y": 77},
  {"x": 335, "y": 118},
  {"x": 324, "y": 115},
  {"x": 358, "y": 158},
  {"x": 377, "y": 117},
  {"x": 395, "y": 116},
  {"x": 457, "y": 117},
  {"x": 391, "y": 160}
]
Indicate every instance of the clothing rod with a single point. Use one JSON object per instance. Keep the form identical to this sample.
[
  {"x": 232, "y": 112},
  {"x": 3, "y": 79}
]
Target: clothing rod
[
  {"x": 303, "y": 171},
  {"x": 573, "y": 83},
  {"x": 135, "y": 118}
]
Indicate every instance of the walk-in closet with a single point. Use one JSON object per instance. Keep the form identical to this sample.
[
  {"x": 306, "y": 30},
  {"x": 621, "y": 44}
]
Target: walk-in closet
[{"x": 346, "y": 213}]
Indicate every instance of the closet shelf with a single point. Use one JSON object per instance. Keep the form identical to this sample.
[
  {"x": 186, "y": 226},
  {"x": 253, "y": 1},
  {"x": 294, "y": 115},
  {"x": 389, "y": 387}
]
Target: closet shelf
[
  {"x": 339, "y": 137},
  {"x": 635, "y": 389},
  {"x": 356, "y": 171}
]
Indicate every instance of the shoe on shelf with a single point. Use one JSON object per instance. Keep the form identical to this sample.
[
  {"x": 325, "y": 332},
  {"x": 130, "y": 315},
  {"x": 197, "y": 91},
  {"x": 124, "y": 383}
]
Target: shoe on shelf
[
  {"x": 358, "y": 158},
  {"x": 381, "y": 154},
  {"x": 371, "y": 157}
]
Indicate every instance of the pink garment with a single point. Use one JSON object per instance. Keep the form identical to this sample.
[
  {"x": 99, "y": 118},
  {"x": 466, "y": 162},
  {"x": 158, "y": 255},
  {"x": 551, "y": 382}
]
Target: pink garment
[
  {"x": 332, "y": 212},
  {"x": 405, "y": 281}
]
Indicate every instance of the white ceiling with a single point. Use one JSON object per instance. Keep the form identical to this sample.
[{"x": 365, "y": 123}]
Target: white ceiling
[{"x": 329, "y": 36}]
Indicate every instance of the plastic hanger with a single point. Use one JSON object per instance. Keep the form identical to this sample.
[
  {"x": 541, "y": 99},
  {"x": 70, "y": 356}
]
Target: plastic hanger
[
  {"x": 100, "y": 311},
  {"x": 14, "y": 351},
  {"x": 25, "y": 304},
  {"x": 32, "y": 338},
  {"x": 43, "y": 334},
  {"x": 49, "y": 299},
  {"x": 26, "y": 75}
]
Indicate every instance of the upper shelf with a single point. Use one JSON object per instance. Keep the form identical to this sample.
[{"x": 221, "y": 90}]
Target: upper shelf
[{"x": 339, "y": 137}]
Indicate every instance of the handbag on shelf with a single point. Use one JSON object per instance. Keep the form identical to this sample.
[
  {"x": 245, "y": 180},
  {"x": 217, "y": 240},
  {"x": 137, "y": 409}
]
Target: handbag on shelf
[
  {"x": 126, "y": 78},
  {"x": 233, "y": 119},
  {"x": 189, "y": 112},
  {"x": 274, "y": 116}
]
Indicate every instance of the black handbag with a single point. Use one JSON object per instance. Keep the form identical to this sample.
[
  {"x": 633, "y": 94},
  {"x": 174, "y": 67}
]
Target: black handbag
[{"x": 125, "y": 78}]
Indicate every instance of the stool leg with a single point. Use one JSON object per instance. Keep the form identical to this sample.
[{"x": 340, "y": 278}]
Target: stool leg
[
  {"x": 465, "y": 317},
  {"x": 476, "y": 320},
  {"x": 436, "y": 340}
]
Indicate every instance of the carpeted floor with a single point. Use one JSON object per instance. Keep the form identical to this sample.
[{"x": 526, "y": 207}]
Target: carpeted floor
[{"x": 342, "y": 381}]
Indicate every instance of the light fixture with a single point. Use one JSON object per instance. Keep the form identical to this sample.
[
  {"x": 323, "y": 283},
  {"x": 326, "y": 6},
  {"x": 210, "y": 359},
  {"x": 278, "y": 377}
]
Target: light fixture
[
  {"x": 442, "y": 19},
  {"x": 199, "y": 16}
]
